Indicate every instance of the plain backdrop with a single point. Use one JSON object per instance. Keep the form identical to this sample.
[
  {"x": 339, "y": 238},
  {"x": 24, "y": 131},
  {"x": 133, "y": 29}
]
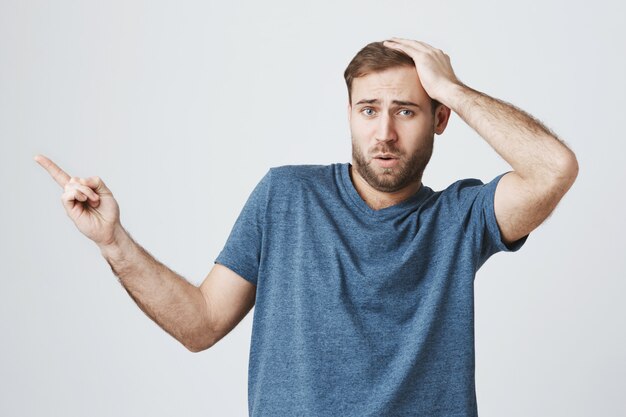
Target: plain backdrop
[{"x": 181, "y": 107}]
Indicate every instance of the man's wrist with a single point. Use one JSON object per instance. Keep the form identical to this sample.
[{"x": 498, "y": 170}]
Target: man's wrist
[
  {"x": 453, "y": 95},
  {"x": 119, "y": 240}
]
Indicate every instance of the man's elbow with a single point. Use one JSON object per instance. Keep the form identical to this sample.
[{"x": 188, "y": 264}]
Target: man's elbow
[
  {"x": 572, "y": 168},
  {"x": 197, "y": 347},
  {"x": 198, "y": 342},
  {"x": 567, "y": 171}
]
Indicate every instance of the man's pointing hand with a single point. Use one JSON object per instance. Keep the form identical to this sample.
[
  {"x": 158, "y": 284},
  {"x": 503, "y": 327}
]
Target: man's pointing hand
[
  {"x": 433, "y": 66},
  {"x": 88, "y": 202}
]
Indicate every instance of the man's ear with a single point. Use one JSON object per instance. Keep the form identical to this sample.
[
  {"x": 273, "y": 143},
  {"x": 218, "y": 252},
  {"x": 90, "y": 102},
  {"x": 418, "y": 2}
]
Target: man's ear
[
  {"x": 349, "y": 111},
  {"x": 442, "y": 116}
]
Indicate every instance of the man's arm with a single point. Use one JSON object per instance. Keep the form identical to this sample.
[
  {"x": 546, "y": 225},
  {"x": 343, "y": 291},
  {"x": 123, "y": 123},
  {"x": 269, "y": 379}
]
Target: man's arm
[
  {"x": 544, "y": 168},
  {"x": 196, "y": 317}
]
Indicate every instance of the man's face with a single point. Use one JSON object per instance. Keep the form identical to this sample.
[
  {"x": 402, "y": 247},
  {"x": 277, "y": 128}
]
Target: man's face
[{"x": 392, "y": 128}]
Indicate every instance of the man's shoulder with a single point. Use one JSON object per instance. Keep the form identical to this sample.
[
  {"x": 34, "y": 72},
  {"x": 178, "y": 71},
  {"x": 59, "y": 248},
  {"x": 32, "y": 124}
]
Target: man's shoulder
[
  {"x": 461, "y": 185},
  {"x": 463, "y": 194},
  {"x": 302, "y": 169},
  {"x": 470, "y": 188},
  {"x": 458, "y": 190},
  {"x": 452, "y": 198},
  {"x": 288, "y": 174}
]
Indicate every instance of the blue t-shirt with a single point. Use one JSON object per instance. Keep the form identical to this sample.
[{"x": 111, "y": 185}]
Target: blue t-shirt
[{"x": 361, "y": 312}]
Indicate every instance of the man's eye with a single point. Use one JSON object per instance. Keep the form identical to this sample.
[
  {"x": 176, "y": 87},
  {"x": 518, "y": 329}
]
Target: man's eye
[
  {"x": 367, "y": 111},
  {"x": 407, "y": 112}
]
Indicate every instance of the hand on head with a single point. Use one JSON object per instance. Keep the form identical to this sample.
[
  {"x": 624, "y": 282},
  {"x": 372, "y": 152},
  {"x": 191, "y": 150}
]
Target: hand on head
[{"x": 433, "y": 66}]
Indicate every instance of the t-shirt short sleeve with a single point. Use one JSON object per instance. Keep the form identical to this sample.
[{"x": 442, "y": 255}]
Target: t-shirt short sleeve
[
  {"x": 242, "y": 251},
  {"x": 476, "y": 210}
]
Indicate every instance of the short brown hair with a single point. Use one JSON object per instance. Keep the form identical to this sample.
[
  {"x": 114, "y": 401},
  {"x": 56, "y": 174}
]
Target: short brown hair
[{"x": 375, "y": 57}]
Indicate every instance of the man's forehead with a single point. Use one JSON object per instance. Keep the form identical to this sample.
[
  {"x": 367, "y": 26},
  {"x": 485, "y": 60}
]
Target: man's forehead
[
  {"x": 400, "y": 97},
  {"x": 401, "y": 84}
]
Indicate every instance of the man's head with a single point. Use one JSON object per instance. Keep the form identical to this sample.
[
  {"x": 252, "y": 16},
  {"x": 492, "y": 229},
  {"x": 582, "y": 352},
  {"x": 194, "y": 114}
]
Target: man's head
[
  {"x": 376, "y": 58},
  {"x": 391, "y": 115}
]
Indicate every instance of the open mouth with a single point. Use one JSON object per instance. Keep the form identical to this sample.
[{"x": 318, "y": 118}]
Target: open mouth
[
  {"x": 385, "y": 157},
  {"x": 386, "y": 161}
]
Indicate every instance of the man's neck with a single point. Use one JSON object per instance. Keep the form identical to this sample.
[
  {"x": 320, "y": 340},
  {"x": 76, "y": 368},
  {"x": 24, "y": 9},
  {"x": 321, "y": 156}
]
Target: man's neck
[{"x": 379, "y": 199}]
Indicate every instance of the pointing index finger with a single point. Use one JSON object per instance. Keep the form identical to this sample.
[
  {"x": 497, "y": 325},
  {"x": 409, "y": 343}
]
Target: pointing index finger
[{"x": 60, "y": 176}]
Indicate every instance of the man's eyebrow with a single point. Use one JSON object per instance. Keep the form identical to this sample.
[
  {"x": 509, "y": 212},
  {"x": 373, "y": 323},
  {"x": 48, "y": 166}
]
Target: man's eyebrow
[{"x": 397, "y": 102}]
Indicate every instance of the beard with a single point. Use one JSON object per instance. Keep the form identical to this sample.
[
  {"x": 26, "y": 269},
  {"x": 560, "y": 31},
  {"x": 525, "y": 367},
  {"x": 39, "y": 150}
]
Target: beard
[{"x": 409, "y": 169}]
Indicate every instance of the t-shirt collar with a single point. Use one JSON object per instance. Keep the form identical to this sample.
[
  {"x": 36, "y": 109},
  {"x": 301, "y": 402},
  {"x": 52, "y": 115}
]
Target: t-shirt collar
[{"x": 409, "y": 204}]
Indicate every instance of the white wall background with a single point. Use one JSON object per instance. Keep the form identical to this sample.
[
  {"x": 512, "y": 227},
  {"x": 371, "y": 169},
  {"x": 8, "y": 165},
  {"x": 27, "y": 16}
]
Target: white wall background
[{"x": 182, "y": 106}]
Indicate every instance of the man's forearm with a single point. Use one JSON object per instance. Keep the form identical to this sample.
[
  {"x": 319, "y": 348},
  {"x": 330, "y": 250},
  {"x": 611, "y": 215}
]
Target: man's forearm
[
  {"x": 167, "y": 298},
  {"x": 533, "y": 151}
]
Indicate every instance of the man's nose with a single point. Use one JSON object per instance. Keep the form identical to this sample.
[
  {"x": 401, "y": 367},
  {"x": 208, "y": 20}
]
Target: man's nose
[{"x": 385, "y": 130}]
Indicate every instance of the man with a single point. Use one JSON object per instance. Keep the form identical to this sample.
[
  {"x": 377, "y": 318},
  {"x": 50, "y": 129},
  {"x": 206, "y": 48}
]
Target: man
[{"x": 361, "y": 275}]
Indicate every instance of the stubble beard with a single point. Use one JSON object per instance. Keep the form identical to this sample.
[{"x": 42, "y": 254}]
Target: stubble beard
[{"x": 390, "y": 180}]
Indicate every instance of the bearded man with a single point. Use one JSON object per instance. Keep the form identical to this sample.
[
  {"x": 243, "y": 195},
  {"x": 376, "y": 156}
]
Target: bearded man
[{"x": 361, "y": 275}]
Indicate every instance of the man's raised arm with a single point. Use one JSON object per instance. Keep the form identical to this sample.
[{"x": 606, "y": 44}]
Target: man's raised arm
[{"x": 544, "y": 168}]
